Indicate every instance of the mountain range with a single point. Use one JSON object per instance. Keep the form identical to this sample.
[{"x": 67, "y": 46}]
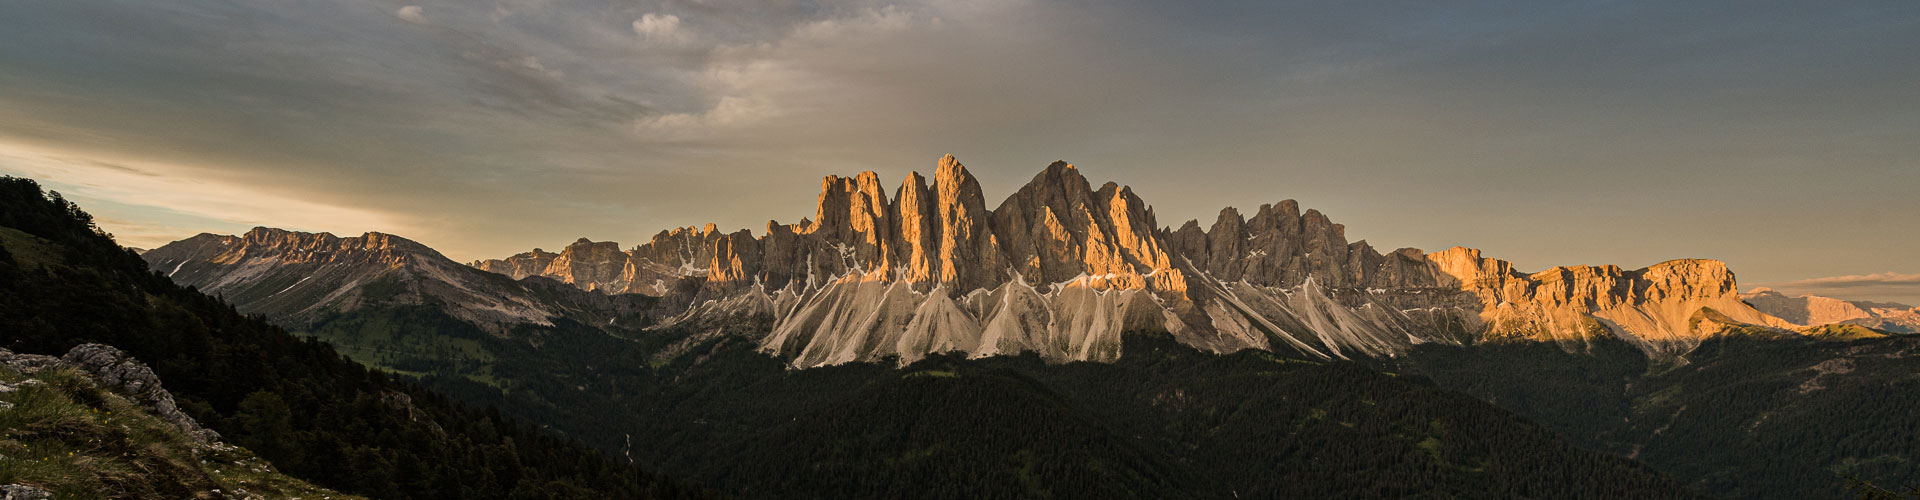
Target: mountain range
[
  {"x": 671, "y": 340},
  {"x": 1165, "y": 421},
  {"x": 1061, "y": 267}
]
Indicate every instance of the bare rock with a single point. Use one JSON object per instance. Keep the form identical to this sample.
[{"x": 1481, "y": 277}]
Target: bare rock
[
  {"x": 23, "y": 492},
  {"x": 120, "y": 373},
  {"x": 28, "y": 363}
]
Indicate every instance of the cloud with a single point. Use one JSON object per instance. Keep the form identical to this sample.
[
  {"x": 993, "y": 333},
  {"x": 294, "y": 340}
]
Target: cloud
[
  {"x": 412, "y": 14},
  {"x": 515, "y": 123},
  {"x": 147, "y": 204},
  {"x": 888, "y": 19},
  {"x": 530, "y": 66},
  {"x": 661, "y": 28}
]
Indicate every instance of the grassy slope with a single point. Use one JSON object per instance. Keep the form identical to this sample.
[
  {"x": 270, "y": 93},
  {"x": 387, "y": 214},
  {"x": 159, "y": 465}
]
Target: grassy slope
[
  {"x": 68, "y": 436},
  {"x": 28, "y": 250}
]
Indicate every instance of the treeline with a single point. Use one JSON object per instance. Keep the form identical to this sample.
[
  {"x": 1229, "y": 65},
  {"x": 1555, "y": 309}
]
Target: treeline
[
  {"x": 1166, "y": 421},
  {"x": 313, "y": 413}
]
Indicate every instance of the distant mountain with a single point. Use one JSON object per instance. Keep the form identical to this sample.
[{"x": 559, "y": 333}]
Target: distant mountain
[
  {"x": 394, "y": 303},
  {"x": 1813, "y": 310},
  {"x": 1060, "y": 268},
  {"x": 296, "y": 278}
]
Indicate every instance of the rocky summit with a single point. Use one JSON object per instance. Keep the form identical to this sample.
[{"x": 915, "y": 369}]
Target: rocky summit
[{"x": 1062, "y": 268}]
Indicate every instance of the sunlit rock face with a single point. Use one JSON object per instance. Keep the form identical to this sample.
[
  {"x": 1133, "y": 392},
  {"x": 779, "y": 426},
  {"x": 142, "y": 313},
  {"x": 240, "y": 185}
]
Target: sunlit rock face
[
  {"x": 1062, "y": 268},
  {"x": 1654, "y": 308}
]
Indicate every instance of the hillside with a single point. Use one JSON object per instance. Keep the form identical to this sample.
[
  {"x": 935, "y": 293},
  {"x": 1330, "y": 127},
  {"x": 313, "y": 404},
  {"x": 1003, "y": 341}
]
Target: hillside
[{"x": 313, "y": 414}]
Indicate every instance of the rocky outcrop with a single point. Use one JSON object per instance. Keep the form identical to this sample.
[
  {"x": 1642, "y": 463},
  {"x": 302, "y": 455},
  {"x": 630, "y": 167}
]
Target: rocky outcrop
[
  {"x": 115, "y": 371},
  {"x": 1813, "y": 310},
  {"x": 1061, "y": 268},
  {"x": 23, "y": 492}
]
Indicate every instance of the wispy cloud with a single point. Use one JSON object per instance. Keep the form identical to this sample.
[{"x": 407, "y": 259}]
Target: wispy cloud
[{"x": 148, "y": 204}]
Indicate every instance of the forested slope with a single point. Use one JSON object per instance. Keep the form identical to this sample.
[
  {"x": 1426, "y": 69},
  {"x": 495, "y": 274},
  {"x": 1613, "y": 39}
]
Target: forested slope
[{"x": 1786, "y": 418}]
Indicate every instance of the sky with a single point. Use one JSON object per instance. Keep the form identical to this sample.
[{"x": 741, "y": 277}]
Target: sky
[{"x": 1781, "y": 137}]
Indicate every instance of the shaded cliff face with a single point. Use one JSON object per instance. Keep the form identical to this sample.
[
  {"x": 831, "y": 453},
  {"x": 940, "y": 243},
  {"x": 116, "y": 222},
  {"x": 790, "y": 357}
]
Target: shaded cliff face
[{"x": 1061, "y": 267}]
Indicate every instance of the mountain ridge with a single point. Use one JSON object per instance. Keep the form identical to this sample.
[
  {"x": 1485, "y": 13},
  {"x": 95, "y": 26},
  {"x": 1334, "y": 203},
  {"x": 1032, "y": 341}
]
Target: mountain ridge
[
  {"x": 296, "y": 277},
  {"x": 1061, "y": 268}
]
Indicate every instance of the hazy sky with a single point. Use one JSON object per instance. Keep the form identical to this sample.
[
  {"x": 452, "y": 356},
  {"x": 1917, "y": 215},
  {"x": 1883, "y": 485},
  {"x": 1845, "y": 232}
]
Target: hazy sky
[{"x": 1782, "y": 137}]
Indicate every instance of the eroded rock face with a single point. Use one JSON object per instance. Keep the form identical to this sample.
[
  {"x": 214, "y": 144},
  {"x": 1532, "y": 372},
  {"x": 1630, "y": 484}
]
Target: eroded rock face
[{"x": 1062, "y": 268}]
